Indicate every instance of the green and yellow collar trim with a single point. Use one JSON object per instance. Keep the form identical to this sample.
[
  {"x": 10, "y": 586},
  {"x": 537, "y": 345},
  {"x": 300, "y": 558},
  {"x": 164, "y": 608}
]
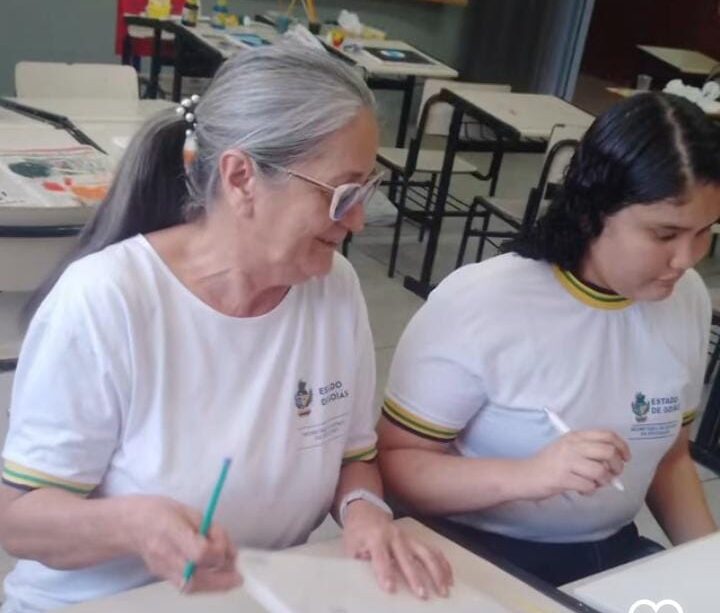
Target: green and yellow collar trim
[{"x": 588, "y": 295}]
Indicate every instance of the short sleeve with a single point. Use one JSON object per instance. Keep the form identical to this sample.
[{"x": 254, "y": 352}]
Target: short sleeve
[
  {"x": 362, "y": 440},
  {"x": 66, "y": 404},
  {"x": 434, "y": 388}
]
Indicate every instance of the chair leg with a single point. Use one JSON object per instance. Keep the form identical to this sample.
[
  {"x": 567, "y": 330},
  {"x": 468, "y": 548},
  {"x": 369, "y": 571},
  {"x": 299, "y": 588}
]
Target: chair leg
[
  {"x": 346, "y": 244},
  {"x": 483, "y": 235},
  {"x": 398, "y": 228},
  {"x": 712, "y": 363},
  {"x": 428, "y": 203},
  {"x": 466, "y": 235}
]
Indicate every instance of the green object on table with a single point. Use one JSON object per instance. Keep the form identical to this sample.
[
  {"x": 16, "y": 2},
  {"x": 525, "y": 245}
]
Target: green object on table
[{"x": 208, "y": 517}]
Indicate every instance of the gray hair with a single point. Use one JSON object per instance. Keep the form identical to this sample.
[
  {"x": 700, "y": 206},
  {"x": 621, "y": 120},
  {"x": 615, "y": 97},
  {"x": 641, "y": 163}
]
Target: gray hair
[{"x": 276, "y": 103}]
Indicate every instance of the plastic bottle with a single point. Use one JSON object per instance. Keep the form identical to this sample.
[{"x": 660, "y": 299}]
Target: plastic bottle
[
  {"x": 190, "y": 13},
  {"x": 219, "y": 14}
]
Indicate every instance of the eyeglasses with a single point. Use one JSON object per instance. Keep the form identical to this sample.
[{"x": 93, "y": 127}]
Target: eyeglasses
[{"x": 345, "y": 196}]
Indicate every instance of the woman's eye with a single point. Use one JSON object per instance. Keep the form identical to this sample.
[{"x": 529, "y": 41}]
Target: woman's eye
[{"x": 664, "y": 235}]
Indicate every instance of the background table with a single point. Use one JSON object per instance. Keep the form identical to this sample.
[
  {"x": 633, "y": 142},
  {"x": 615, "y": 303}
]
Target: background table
[{"x": 511, "y": 117}]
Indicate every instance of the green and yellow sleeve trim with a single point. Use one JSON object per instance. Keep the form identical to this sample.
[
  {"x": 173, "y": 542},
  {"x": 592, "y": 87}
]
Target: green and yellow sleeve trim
[
  {"x": 403, "y": 418},
  {"x": 688, "y": 417},
  {"x": 588, "y": 295},
  {"x": 29, "y": 478},
  {"x": 364, "y": 454}
]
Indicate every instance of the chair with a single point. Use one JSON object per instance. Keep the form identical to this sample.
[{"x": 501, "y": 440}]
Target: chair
[
  {"x": 60, "y": 80},
  {"x": 715, "y": 335},
  {"x": 519, "y": 213},
  {"x": 406, "y": 163},
  {"x": 33, "y": 240}
]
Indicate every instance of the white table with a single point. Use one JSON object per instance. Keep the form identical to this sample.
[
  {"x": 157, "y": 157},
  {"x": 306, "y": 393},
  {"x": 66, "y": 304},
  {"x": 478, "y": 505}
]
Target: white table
[
  {"x": 686, "y": 574},
  {"x": 100, "y": 110},
  {"x": 109, "y": 123},
  {"x": 34, "y": 135},
  {"x": 218, "y": 40},
  {"x": 520, "y": 115},
  {"x": 684, "y": 60},
  {"x": 467, "y": 567},
  {"x": 375, "y": 67}
]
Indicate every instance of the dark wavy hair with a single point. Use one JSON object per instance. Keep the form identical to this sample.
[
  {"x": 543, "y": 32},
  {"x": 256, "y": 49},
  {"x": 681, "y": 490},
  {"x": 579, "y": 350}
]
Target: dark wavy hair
[{"x": 648, "y": 148}]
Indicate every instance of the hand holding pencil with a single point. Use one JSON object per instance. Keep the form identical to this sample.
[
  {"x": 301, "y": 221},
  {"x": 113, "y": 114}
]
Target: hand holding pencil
[
  {"x": 580, "y": 461},
  {"x": 179, "y": 544}
]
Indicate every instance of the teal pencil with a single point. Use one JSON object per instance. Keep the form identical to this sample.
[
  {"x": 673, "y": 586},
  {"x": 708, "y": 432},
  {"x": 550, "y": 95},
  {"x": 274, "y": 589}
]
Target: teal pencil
[{"x": 208, "y": 517}]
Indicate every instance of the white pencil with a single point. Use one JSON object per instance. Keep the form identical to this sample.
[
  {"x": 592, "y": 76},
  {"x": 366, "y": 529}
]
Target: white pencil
[{"x": 563, "y": 428}]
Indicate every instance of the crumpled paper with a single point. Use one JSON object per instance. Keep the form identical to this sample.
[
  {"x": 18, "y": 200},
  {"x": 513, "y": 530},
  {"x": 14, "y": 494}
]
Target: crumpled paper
[{"x": 706, "y": 98}]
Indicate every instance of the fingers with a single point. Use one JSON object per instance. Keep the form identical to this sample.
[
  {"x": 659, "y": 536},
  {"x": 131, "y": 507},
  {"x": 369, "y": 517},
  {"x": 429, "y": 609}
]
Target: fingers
[
  {"x": 383, "y": 567},
  {"x": 607, "y": 437},
  {"x": 412, "y": 571},
  {"x": 436, "y": 566},
  {"x": 211, "y": 580}
]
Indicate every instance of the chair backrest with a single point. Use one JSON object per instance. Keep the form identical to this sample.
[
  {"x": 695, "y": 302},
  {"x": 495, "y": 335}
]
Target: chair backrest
[
  {"x": 560, "y": 148},
  {"x": 438, "y": 119},
  {"x": 60, "y": 80},
  {"x": 33, "y": 241}
]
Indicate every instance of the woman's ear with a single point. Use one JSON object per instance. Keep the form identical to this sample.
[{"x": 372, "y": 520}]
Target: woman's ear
[{"x": 238, "y": 181}]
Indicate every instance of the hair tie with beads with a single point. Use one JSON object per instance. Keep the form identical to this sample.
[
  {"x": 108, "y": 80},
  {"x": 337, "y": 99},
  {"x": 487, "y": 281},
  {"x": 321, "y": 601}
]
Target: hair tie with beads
[{"x": 187, "y": 110}]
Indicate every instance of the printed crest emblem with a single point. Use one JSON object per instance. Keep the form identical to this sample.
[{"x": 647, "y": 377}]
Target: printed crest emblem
[
  {"x": 303, "y": 398},
  {"x": 640, "y": 407}
]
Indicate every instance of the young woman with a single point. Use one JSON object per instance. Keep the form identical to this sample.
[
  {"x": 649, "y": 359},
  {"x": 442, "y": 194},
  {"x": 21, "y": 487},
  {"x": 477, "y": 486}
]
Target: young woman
[
  {"x": 200, "y": 323},
  {"x": 594, "y": 322}
]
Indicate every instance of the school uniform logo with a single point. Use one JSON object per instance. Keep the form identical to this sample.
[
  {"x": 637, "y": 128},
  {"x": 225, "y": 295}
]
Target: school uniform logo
[
  {"x": 303, "y": 398},
  {"x": 640, "y": 407}
]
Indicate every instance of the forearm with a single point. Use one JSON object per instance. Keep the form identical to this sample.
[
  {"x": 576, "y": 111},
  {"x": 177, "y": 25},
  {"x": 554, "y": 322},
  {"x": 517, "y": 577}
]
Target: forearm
[
  {"x": 64, "y": 531},
  {"x": 357, "y": 475},
  {"x": 440, "y": 484},
  {"x": 677, "y": 500}
]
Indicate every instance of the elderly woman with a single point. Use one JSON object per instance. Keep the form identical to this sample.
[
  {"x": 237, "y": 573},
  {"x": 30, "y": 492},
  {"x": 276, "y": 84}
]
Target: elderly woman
[{"x": 206, "y": 313}]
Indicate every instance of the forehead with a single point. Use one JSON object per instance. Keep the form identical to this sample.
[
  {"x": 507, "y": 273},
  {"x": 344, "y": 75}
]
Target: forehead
[
  {"x": 698, "y": 207},
  {"x": 353, "y": 146}
]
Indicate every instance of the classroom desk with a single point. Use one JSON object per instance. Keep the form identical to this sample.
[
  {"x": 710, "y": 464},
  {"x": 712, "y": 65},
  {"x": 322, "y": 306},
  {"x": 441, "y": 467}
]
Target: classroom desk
[
  {"x": 35, "y": 135},
  {"x": 108, "y": 124},
  {"x": 666, "y": 63},
  {"x": 686, "y": 574},
  {"x": 511, "y": 117},
  {"x": 99, "y": 110},
  {"x": 394, "y": 75},
  {"x": 468, "y": 568},
  {"x": 213, "y": 44}
]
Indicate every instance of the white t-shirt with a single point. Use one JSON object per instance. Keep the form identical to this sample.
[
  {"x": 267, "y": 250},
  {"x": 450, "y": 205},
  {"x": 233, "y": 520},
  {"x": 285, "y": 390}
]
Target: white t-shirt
[
  {"x": 499, "y": 341},
  {"x": 128, "y": 383}
]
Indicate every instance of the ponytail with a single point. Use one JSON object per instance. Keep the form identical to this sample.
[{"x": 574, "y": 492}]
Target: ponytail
[{"x": 148, "y": 193}]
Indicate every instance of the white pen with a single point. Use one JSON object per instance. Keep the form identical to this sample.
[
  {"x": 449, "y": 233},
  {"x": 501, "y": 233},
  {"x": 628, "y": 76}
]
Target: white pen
[{"x": 563, "y": 428}]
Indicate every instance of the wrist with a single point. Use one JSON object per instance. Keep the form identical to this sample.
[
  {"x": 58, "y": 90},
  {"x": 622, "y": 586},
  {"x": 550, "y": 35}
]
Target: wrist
[
  {"x": 358, "y": 500},
  {"x": 520, "y": 482},
  {"x": 129, "y": 517}
]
